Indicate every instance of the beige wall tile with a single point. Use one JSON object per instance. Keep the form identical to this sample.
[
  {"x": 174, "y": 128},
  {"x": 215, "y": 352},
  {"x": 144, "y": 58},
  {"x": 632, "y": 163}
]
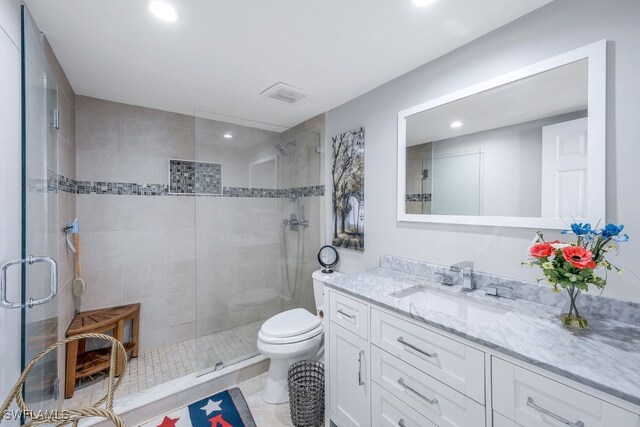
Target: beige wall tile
[
  {"x": 66, "y": 159},
  {"x": 101, "y": 133},
  {"x": 179, "y": 308},
  {"x": 104, "y": 288},
  {"x": 180, "y": 244},
  {"x": 152, "y": 314},
  {"x": 100, "y": 250},
  {"x": 66, "y": 263},
  {"x": 139, "y": 247},
  {"x": 156, "y": 213},
  {"x": 152, "y": 138},
  {"x": 93, "y": 165},
  {"x": 101, "y": 106},
  {"x": 158, "y": 280},
  {"x": 142, "y": 282},
  {"x": 99, "y": 212}
]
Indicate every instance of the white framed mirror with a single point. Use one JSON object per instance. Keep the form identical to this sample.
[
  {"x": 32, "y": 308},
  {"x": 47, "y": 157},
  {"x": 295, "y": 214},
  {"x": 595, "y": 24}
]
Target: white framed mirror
[{"x": 525, "y": 149}]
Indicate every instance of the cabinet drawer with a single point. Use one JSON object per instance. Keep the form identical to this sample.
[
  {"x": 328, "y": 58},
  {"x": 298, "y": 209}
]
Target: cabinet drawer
[
  {"x": 447, "y": 360},
  {"x": 350, "y": 314},
  {"x": 438, "y": 403},
  {"x": 389, "y": 411},
  {"x": 532, "y": 400}
]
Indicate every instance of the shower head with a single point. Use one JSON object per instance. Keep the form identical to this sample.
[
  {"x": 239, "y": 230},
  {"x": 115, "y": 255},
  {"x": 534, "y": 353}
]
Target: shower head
[{"x": 282, "y": 148}]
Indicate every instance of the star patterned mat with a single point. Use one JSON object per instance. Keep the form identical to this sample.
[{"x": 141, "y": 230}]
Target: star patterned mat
[{"x": 225, "y": 409}]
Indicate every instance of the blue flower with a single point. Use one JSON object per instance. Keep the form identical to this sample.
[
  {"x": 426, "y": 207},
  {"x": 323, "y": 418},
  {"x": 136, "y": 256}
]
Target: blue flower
[
  {"x": 612, "y": 230},
  {"x": 579, "y": 229}
]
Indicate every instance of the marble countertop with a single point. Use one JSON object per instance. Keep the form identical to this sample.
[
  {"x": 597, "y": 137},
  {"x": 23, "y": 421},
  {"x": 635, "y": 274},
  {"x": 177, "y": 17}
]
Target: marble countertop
[{"x": 606, "y": 356}]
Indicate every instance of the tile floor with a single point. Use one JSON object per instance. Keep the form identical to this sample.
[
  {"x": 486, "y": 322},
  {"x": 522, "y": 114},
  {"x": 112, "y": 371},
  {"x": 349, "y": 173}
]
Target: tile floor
[
  {"x": 155, "y": 367},
  {"x": 264, "y": 414}
]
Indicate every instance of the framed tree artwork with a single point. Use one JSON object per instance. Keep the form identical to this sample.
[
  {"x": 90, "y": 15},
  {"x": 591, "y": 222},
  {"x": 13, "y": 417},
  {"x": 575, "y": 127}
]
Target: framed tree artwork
[{"x": 348, "y": 190}]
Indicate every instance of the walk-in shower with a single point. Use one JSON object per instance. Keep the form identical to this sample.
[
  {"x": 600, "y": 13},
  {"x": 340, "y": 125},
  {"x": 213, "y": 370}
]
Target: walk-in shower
[{"x": 210, "y": 259}]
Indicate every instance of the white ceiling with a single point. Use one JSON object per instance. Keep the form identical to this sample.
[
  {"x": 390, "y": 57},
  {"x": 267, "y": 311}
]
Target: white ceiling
[
  {"x": 524, "y": 100},
  {"x": 222, "y": 54}
]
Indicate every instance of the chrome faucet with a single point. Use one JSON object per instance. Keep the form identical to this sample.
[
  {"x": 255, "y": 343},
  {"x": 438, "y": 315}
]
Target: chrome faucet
[{"x": 465, "y": 275}]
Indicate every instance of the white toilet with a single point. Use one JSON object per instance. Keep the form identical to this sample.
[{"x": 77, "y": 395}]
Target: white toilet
[{"x": 291, "y": 336}]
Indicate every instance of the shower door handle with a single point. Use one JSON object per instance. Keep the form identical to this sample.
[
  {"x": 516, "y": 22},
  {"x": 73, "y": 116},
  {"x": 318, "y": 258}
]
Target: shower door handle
[{"x": 53, "y": 281}]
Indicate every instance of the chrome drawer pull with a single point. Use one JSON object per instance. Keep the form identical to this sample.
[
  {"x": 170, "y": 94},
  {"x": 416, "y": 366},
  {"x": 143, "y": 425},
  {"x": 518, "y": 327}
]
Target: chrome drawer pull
[
  {"x": 401, "y": 423},
  {"x": 350, "y": 316},
  {"x": 532, "y": 404},
  {"x": 413, "y": 347},
  {"x": 360, "y": 354},
  {"x": 426, "y": 399}
]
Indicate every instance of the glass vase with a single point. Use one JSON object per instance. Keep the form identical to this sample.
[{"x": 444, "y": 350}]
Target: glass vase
[{"x": 571, "y": 314}]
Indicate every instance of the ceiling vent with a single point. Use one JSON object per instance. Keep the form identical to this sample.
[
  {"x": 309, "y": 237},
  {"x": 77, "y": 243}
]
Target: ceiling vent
[{"x": 285, "y": 93}]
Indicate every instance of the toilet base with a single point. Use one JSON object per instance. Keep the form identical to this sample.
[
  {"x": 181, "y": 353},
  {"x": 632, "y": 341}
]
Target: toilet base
[{"x": 276, "y": 387}]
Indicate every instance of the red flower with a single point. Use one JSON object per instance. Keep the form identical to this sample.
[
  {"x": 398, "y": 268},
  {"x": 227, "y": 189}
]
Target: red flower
[
  {"x": 541, "y": 250},
  {"x": 579, "y": 257}
]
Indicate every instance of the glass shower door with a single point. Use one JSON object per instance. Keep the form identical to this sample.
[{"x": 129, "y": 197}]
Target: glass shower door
[
  {"x": 39, "y": 218},
  {"x": 257, "y": 231},
  {"x": 237, "y": 239}
]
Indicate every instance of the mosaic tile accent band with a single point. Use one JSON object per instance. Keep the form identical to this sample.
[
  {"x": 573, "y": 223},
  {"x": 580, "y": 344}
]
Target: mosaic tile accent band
[
  {"x": 68, "y": 185},
  {"x": 53, "y": 185},
  {"x": 189, "y": 177},
  {"x": 418, "y": 197}
]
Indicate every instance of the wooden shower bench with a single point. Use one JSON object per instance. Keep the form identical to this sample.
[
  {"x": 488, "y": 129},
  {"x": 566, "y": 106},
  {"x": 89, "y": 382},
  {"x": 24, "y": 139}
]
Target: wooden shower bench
[{"x": 82, "y": 363}]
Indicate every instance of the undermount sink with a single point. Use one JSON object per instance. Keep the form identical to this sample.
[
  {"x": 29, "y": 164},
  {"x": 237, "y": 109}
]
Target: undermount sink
[{"x": 460, "y": 307}]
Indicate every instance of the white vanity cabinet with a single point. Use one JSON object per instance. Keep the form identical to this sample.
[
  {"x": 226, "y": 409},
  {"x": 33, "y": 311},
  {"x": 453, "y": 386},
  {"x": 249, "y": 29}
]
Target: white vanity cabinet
[
  {"x": 531, "y": 400},
  {"x": 349, "y": 359},
  {"x": 385, "y": 369}
]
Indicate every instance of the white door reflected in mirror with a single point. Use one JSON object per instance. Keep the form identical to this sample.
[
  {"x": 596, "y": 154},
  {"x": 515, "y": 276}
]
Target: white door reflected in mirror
[{"x": 564, "y": 169}]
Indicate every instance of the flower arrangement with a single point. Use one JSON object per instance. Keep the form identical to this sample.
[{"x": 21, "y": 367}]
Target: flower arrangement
[{"x": 573, "y": 266}]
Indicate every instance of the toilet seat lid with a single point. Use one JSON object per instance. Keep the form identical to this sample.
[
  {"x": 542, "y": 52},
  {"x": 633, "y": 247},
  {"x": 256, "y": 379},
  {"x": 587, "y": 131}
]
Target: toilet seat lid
[{"x": 290, "y": 323}]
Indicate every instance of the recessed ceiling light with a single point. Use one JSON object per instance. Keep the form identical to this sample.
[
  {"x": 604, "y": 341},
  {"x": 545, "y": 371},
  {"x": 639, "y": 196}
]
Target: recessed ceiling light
[
  {"x": 163, "y": 11},
  {"x": 228, "y": 135},
  {"x": 422, "y": 3},
  {"x": 455, "y": 125}
]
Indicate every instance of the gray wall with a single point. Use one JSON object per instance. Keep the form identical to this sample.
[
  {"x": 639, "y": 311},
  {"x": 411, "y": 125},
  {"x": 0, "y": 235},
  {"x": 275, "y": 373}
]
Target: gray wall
[{"x": 556, "y": 28}]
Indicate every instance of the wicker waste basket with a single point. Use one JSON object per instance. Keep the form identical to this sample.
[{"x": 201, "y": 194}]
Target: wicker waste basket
[{"x": 306, "y": 393}]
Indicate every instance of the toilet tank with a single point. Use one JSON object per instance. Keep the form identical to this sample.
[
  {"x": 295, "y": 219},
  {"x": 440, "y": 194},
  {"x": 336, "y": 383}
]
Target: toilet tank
[{"x": 319, "y": 278}]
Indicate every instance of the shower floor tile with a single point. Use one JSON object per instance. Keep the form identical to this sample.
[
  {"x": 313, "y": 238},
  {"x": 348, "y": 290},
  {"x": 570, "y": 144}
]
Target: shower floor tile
[{"x": 158, "y": 366}]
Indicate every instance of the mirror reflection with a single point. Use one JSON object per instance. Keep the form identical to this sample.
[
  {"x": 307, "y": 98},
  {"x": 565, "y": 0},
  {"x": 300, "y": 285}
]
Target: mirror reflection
[{"x": 517, "y": 150}]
